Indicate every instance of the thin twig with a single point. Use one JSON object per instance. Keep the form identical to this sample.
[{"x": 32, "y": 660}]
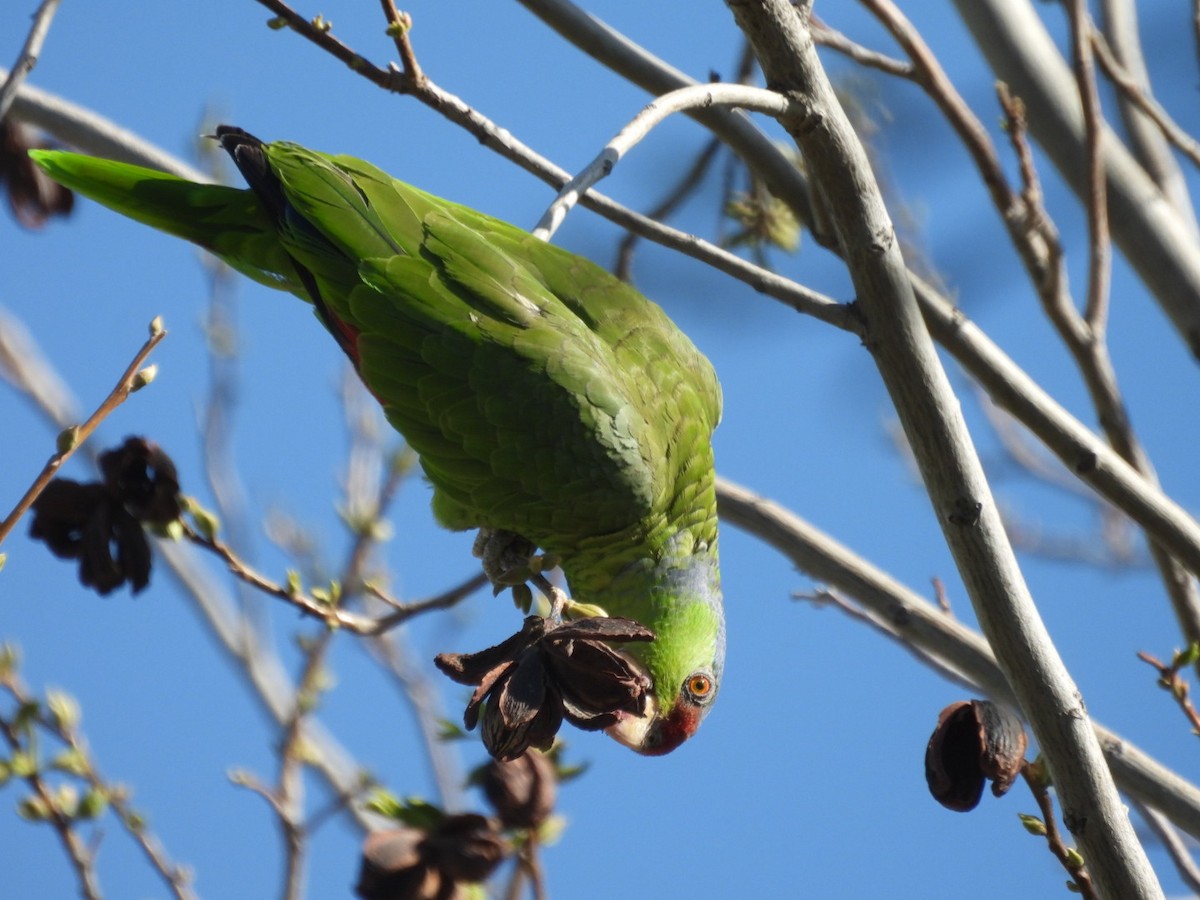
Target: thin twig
[
  {"x": 1099, "y": 243},
  {"x": 698, "y": 96},
  {"x": 500, "y": 140},
  {"x": 1129, "y": 87},
  {"x": 1069, "y": 858},
  {"x": 688, "y": 183},
  {"x": 82, "y": 859},
  {"x": 307, "y": 604},
  {"x": 71, "y": 441},
  {"x": 919, "y": 622},
  {"x": 399, "y": 24},
  {"x": 1171, "y": 841},
  {"x": 289, "y": 790},
  {"x": 825, "y": 596},
  {"x": 1083, "y": 336},
  {"x": 28, "y": 56},
  {"x": 830, "y": 37},
  {"x": 1174, "y": 684}
]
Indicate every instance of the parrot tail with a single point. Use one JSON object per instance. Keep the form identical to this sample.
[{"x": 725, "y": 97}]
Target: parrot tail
[{"x": 250, "y": 156}]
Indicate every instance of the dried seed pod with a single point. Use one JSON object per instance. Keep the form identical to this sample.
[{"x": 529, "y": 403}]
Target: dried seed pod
[
  {"x": 465, "y": 847},
  {"x": 394, "y": 868},
  {"x": 522, "y": 791},
  {"x": 975, "y": 740}
]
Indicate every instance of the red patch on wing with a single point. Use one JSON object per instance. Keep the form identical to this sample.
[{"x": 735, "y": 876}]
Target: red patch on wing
[
  {"x": 673, "y": 729},
  {"x": 347, "y": 337}
]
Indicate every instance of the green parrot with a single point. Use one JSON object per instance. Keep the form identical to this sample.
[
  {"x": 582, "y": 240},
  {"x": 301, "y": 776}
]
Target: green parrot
[{"x": 544, "y": 396}]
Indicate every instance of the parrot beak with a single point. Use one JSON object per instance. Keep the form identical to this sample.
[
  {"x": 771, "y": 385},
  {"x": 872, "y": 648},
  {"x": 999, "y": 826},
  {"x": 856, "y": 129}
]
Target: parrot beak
[{"x": 633, "y": 731}]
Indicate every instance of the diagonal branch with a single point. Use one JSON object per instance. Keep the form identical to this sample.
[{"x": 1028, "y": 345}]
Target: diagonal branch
[{"x": 904, "y": 353}]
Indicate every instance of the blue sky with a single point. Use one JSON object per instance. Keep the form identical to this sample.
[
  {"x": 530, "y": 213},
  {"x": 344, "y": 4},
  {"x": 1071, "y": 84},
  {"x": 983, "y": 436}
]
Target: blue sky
[{"x": 809, "y": 772}]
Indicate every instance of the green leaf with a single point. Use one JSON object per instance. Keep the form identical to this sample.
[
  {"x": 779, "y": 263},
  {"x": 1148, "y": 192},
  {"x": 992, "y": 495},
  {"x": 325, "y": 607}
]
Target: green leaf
[
  {"x": 27, "y": 714},
  {"x": 10, "y": 661},
  {"x": 143, "y": 378},
  {"x": 448, "y": 730},
  {"x": 1186, "y": 657},
  {"x": 23, "y": 764},
  {"x": 551, "y": 830},
  {"x": 64, "y": 709},
  {"x": 67, "y": 439},
  {"x": 93, "y": 804},
  {"x": 412, "y": 811},
  {"x": 1032, "y": 824},
  {"x": 205, "y": 521},
  {"x": 72, "y": 761},
  {"x": 33, "y": 809},
  {"x": 66, "y": 798}
]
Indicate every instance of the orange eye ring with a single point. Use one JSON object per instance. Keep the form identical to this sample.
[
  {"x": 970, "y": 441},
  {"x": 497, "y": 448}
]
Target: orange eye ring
[{"x": 699, "y": 687}]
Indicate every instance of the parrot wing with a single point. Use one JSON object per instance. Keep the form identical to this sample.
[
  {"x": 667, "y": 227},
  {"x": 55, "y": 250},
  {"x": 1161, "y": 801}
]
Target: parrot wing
[{"x": 543, "y": 395}]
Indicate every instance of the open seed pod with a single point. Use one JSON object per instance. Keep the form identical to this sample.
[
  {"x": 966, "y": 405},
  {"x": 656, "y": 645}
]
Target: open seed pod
[{"x": 975, "y": 741}]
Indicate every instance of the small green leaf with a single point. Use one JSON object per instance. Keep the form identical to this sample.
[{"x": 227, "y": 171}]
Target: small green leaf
[
  {"x": 10, "y": 661},
  {"x": 3, "y": 560},
  {"x": 205, "y": 521},
  {"x": 93, "y": 804},
  {"x": 575, "y": 610},
  {"x": 1074, "y": 858},
  {"x": 294, "y": 585},
  {"x": 522, "y": 597},
  {"x": 66, "y": 798},
  {"x": 277, "y": 24},
  {"x": 143, "y": 378},
  {"x": 412, "y": 811},
  {"x": 33, "y": 809},
  {"x": 64, "y": 709},
  {"x": 571, "y": 772},
  {"x": 330, "y": 595},
  {"x": 551, "y": 830},
  {"x": 22, "y": 764},
  {"x": 27, "y": 713},
  {"x": 1186, "y": 657},
  {"x": 1032, "y": 824},
  {"x": 383, "y": 802},
  {"x": 68, "y": 439},
  {"x": 448, "y": 730},
  {"x": 1074, "y": 888},
  {"x": 72, "y": 761}
]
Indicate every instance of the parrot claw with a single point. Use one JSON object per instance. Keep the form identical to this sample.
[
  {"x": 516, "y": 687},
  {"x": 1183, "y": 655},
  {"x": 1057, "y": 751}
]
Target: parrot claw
[{"x": 508, "y": 559}]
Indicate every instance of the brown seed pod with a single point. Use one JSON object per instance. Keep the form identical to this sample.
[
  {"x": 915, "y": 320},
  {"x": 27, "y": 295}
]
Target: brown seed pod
[
  {"x": 975, "y": 740},
  {"x": 522, "y": 791}
]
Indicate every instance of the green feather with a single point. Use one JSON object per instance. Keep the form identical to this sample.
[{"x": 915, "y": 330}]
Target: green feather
[{"x": 543, "y": 395}]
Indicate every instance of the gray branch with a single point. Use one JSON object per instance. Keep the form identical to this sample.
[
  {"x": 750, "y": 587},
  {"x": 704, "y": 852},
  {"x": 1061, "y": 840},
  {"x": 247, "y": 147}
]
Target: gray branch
[{"x": 896, "y": 335}]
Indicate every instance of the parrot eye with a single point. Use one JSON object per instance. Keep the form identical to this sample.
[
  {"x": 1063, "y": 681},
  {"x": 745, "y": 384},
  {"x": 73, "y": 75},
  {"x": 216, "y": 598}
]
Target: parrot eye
[{"x": 699, "y": 688}]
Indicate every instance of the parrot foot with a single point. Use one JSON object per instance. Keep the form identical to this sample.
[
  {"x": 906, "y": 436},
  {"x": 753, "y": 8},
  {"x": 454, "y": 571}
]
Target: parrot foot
[{"x": 508, "y": 559}]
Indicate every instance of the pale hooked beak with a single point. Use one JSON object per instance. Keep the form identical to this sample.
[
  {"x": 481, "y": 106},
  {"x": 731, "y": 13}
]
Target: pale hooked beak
[{"x": 632, "y": 730}]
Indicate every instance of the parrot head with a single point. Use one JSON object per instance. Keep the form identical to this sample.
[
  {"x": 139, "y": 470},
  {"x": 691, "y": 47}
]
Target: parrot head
[{"x": 685, "y": 661}]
